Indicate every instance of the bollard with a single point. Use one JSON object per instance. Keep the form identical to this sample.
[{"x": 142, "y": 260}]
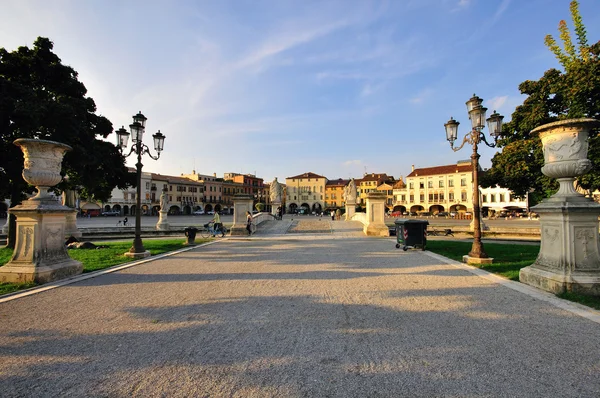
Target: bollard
[{"x": 190, "y": 233}]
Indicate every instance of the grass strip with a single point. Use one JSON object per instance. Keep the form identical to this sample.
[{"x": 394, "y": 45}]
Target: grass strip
[
  {"x": 98, "y": 259},
  {"x": 508, "y": 258},
  {"x": 508, "y": 261}
]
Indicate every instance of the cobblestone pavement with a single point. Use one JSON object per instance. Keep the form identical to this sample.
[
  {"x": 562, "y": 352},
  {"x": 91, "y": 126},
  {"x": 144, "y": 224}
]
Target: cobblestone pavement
[{"x": 298, "y": 315}]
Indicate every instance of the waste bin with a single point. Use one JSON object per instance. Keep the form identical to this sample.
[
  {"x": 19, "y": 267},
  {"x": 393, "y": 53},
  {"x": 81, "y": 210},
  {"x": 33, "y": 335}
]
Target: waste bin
[
  {"x": 190, "y": 233},
  {"x": 411, "y": 233}
]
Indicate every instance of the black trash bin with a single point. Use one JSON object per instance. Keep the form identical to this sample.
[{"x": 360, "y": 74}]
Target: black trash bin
[
  {"x": 190, "y": 233},
  {"x": 411, "y": 233}
]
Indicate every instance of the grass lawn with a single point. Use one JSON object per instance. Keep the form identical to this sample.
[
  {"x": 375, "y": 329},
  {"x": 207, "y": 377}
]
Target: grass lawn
[
  {"x": 508, "y": 260},
  {"x": 94, "y": 260}
]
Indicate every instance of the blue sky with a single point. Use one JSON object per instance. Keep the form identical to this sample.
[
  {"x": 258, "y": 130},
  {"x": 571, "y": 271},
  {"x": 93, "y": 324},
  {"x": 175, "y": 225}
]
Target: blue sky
[{"x": 278, "y": 88}]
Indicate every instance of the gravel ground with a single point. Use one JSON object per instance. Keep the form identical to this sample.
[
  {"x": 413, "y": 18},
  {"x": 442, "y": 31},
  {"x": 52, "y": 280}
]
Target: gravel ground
[{"x": 317, "y": 316}]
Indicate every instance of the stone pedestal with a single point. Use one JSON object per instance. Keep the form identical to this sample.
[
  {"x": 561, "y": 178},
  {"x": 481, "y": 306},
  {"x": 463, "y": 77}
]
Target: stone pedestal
[
  {"x": 71, "y": 224},
  {"x": 40, "y": 254},
  {"x": 569, "y": 259},
  {"x": 274, "y": 207},
  {"x": 375, "y": 225},
  {"x": 350, "y": 211},
  {"x": 241, "y": 204},
  {"x": 162, "y": 224}
]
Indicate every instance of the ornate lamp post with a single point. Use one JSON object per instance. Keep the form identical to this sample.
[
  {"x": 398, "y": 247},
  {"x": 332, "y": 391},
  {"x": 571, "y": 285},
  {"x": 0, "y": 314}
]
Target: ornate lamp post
[
  {"x": 137, "y": 132},
  {"x": 476, "y": 111}
]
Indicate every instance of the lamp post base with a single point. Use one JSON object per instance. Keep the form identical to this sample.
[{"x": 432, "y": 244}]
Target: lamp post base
[
  {"x": 143, "y": 254},
  {"x": 476, "y": 260}
]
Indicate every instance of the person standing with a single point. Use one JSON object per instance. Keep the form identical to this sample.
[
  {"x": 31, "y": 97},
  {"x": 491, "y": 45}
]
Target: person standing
[
  {"x": 125, "y": 220},
  {"x": 332, "y": 215},
  {"x": 249, "y": 222}
]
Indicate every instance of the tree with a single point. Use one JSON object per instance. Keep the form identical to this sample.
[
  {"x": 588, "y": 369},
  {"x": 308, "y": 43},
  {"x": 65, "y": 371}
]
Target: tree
[
  {"x": 259, "y": 206},
  {"x": 571, "y": 93},
  {"x": 42, "y": 98}
]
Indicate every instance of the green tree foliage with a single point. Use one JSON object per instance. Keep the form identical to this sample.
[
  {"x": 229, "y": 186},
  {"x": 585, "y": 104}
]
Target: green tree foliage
[
  {"x": 571, "y": 93},
  {"x": 42, "y": 98}
]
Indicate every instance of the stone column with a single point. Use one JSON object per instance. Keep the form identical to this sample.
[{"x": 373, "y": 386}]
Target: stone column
[
  {"x": 569, "y": 258},
  {"x": 71, "y": 218},
  {"x": 375, "y": 225},
  {"x": 241, "y": 204},
  {"x": 40, "y": 253}
]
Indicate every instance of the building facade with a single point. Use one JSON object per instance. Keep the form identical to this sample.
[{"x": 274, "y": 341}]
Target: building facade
[
  {"x": 437, "y": 189},
  {"x": 334, "y": 194},
  {"x": 305, "y": 193}
]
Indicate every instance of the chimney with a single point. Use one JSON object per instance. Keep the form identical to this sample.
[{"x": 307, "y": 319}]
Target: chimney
[
  {"x": 214, "y": 174},
  {"x": 413, "y": 167}
]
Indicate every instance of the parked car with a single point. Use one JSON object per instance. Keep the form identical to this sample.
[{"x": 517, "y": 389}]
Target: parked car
[
  {"x": 442, "y": 214},
  {"x": 198, "y": 212},
  {"x": 110, "y": 213},
  {"x": 210, "y": 213}
]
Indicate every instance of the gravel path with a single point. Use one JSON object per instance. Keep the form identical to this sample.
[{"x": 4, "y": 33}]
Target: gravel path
[{"x": 324, "y": 315}]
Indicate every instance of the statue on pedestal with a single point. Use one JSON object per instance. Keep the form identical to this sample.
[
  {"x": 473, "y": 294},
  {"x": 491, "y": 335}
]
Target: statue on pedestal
[
  {"x": 276, "y": 191},
  {"x": 162, "y": 223}
]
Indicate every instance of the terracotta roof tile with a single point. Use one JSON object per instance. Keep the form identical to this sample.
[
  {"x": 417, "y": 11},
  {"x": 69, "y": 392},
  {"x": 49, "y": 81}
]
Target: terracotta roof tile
[
  {"x": 307, "y": 175},
  {"x": 447, "y": 169}
]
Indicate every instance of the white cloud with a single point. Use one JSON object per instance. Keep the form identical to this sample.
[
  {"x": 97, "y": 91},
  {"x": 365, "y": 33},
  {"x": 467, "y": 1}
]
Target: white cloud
[
  {"x": 422, "y": 96},
  {"x": 355, "y": 162}
]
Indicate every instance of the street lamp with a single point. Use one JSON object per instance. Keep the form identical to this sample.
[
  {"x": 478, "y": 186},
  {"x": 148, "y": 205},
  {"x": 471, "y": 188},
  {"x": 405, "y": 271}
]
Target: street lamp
[
  {"x": 137, "y": 132},
  {"x": 477, "y": 116}
]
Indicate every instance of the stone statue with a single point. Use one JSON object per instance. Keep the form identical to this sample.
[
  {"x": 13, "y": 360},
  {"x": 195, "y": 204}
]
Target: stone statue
[
  {"x": 164, "y": 201},
  {"x": 349, "y": 194},
  {"x": 276, "y": 191}
]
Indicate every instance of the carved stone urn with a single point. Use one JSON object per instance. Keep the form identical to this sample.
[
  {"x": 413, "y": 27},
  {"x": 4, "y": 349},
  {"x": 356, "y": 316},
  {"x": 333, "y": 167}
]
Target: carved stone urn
[
  {"x": 43, "y": 161},
  {"x": 569, "y": 258},
  {"x": 565, "y": 145},
  {"x": 40, "y": 254}
]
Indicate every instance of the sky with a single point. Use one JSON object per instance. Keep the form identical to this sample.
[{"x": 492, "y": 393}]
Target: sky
[{"x": 277, "y": 88}]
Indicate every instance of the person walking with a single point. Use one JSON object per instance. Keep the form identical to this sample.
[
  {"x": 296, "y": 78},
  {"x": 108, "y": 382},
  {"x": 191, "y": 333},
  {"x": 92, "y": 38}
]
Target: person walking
[
  {"x": 249, "y": 222},
  {"x": 332, "y": 215},
  {"x": 125, "y": 220}
]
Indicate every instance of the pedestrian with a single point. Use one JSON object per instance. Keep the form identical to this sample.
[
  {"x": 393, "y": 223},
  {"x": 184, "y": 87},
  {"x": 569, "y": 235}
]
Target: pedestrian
[
  {"x": 125, "y": 222},
  {"x": 332, "y": 215},
  {"x": 217, "y": 227},
  {"x": 248, "y": 222}
]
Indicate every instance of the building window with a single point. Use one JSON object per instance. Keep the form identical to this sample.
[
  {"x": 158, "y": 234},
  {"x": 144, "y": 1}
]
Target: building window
[
  {"x": 501, "y": 197},
  {"x": 441, "y": 196},
  {"x": 451, "y": 196},
  {"x": 441, "y": 183},
  {"x": 412, "y": 198},
  {"x": 411, "y": 185},
  {"x": 463, "y": 182},
  {"x": 493, "y": 197},
  {"x": 431, "y": 197},
  {"x": 484, "y": 198},
  {"x": 421, "y": 185},
  {"x": 422, "y": 198},
  {"x": 451, "y": 183},
  {"x": 463, "y": 196},
  {"x": 429, "y": 184},
  {"x": 147, "y": 185}
]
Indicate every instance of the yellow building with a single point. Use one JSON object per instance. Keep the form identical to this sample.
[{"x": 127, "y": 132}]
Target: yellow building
[
  {"x": 369, "y": 183},
  {"x": 437, "y": 189},
  {"x": 334, "y": 190},
  {"x": 305, "y": 193}
]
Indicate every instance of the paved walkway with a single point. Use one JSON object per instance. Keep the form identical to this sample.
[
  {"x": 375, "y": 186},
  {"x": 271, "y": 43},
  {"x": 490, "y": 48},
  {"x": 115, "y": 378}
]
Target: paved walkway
[{"x": 298, "y": 315}]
